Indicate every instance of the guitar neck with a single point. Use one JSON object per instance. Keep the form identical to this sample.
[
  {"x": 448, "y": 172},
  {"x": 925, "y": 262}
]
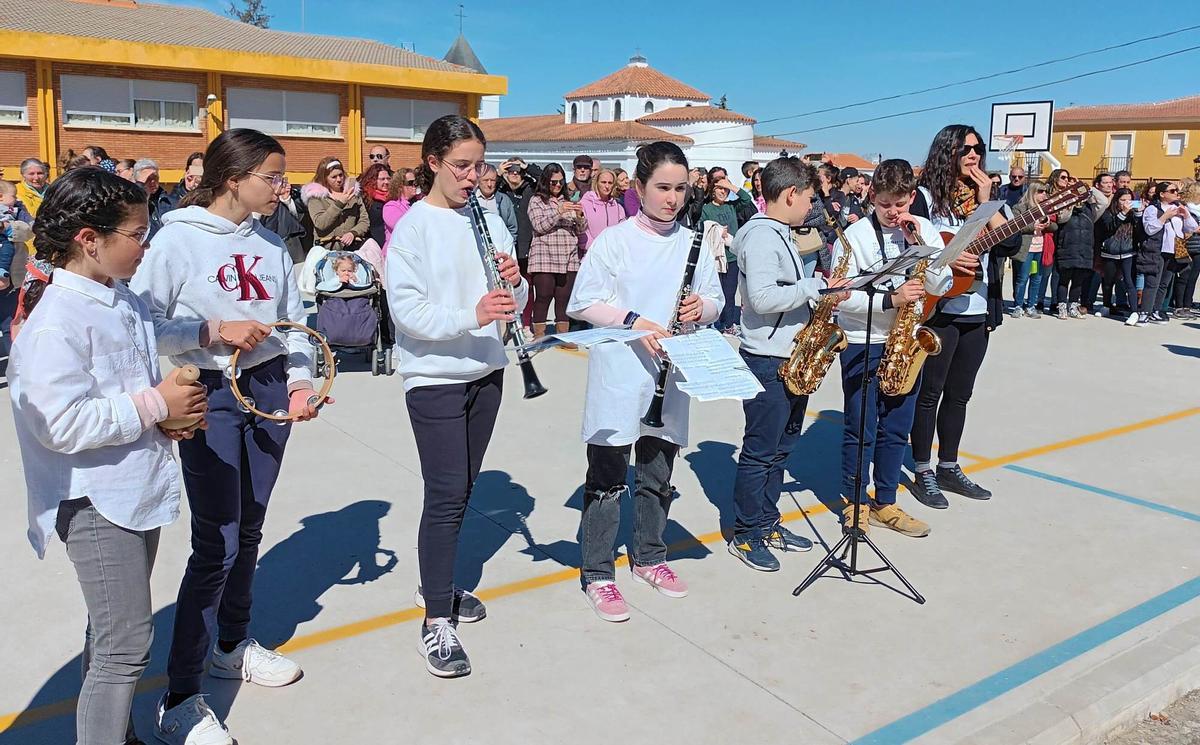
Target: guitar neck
[{"x": 989, "y": 237}]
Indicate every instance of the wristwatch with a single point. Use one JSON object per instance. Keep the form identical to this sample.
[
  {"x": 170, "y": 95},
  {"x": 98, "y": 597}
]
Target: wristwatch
[{"x": 630, "y": 319}]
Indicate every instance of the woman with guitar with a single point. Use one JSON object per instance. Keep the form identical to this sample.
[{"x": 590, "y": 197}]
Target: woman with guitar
[{"x": 953, "y": 184}]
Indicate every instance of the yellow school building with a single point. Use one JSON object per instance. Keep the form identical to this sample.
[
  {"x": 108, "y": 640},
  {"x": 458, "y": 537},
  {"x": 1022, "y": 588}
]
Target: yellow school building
[
  {"x": 160, "y": 81},
  {"x": 1151, "y": 140}
]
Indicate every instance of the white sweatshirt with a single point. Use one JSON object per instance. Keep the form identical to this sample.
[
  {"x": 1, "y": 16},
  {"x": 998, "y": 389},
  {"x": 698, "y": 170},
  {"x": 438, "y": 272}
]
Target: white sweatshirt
[
  {"x": 435, "y": 278},
  {"x": 201, "y": 267},
  {"x": 866, "y": 255}
]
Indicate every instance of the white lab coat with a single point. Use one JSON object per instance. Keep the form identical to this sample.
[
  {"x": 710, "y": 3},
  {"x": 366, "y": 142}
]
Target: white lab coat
[{"x": 630, "y": 269}]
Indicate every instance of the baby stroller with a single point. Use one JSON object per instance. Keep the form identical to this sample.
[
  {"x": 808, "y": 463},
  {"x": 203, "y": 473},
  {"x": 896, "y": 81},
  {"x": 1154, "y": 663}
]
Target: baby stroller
[{"x": 353, "y": 315}]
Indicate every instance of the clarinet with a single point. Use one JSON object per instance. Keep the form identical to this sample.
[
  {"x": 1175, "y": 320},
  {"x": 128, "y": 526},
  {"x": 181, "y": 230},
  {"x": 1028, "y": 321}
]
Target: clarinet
[
  {"x": 654, "y": 413},
  {"x": 533, "y": 386}
]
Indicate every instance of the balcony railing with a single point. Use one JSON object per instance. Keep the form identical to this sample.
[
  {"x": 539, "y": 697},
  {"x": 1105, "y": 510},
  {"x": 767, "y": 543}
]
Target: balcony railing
[{"x": 1112, "y": 164}]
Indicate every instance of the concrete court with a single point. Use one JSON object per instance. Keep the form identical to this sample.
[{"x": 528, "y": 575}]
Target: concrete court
[{"x": 1042, "y": 603}]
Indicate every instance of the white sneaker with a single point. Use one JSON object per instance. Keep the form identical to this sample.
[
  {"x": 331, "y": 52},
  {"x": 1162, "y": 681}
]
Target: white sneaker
[
  {"x": 253, "y": 663},
  {"x": 1132, "y": 320},
  {"x": 190, "y": 723}
]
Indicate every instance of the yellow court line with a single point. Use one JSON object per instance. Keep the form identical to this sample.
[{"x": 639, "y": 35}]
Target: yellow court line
[{"x": 357, "y": 628}]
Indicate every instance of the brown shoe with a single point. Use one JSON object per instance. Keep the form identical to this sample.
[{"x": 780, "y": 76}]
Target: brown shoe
[
  {"x": 891, "y": 516},
  {"x": 539, "y": 330},
  {"x": 864, "y": 521},
  {"x": 562, "y": 327}
]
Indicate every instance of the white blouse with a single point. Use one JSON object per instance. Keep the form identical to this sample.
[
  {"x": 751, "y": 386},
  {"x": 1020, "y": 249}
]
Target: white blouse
[{"x": 84, "y": 352}]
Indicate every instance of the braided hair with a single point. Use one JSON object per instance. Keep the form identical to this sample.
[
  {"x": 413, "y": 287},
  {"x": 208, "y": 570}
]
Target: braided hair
[{"x": 88, "y": 197}]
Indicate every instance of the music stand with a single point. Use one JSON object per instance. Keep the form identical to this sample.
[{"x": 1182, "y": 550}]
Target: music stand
[{"x": 851, "y": 535}]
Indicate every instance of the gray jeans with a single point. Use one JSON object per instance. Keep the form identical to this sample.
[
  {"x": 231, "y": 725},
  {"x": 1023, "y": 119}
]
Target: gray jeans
[
  {"x": 113, "y": 565},
  {"x": 606, "y": 482}
]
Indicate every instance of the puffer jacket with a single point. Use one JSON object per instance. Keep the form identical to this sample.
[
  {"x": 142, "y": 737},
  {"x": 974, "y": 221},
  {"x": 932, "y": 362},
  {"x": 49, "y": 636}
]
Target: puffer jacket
[
  {"x": 600, "y": 214},
  {"x": 1119, "y": 236},
  {"x": 1075, "y": 242},
  {"x": 332, "y": 219}
]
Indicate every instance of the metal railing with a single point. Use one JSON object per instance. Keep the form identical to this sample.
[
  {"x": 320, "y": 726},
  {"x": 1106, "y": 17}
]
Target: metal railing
[{"x": 1112, "y": 164}]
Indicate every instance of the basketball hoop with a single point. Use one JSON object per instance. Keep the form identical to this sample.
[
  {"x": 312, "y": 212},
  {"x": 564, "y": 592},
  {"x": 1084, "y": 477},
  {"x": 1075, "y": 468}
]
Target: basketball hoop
[{"x": 1006, "y": 146}]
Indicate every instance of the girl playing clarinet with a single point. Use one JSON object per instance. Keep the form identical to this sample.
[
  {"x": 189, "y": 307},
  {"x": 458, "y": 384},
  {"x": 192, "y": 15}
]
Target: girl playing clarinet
[{"x": 630, "y": 278}]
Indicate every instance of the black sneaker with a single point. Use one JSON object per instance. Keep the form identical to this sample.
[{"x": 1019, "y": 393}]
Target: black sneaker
[
  {"x": 754, "y": 553},
  {"x": 782, "y": 539},
  {"x": 927, "y": 491},
  {"x": 467, "y": 608},
  {"x": 443, "y": 652},
  {"x": 955, "y": 481}
]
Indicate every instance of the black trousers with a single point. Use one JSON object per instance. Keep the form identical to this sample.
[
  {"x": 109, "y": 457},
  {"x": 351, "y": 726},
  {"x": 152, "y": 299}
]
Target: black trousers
[
  {"x": 1071, "y": 284},
  {"x": 1118, "y": 270},
  {"x": 947, "y": 382},
  {"x": 452, "y": 425}
]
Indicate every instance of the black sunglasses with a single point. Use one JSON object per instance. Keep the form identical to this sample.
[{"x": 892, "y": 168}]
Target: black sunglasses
[
  {"x": 377, "y": 156},
  {"x": 1172, "y": 190},
  {"x": 966, "y": 150}
]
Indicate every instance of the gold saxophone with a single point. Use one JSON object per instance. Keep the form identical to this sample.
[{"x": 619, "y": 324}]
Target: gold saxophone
[
  {"x": 815, "y": 345},
  {"x": 908, "y": 342}
]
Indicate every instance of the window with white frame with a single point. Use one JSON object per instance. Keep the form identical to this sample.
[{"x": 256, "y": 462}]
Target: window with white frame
[
  {"x": 13, "y": 103},
  {"x": 402, "y": 118},
  {"x": 116, "y": 102},
  {"x": 595, "y": 111},
  {"x": 279, "y": 112},
  {"x": 1073, "y": 144},
  {"x": 1176, "y": 142}
]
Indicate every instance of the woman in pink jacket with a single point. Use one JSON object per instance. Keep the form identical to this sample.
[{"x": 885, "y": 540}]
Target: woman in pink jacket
[
  {"x": 601, "y": 207},
  {"x": 400, "y": 198}
]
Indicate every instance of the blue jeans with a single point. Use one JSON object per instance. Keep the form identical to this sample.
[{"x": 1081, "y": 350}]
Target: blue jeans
[
  {"x": 731, "y": 314},
  {"x": 774, "y": 419},
  {"x": 229, "y": 471},
  {"x": 1029, "y": 280},
  {"x": 889, "y": 421},
  {"x": 1049, "y": 281}
]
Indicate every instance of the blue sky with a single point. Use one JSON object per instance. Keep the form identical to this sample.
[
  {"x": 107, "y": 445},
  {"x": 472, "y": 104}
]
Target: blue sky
[{"x": 781, "y": 59}]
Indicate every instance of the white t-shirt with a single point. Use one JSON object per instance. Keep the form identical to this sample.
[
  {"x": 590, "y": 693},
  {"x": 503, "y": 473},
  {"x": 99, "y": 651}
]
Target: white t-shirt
[
  {"x": 435, "y": 278},
  {"x": 627, "y": 267},
  {"x": 969, "y": 303}
]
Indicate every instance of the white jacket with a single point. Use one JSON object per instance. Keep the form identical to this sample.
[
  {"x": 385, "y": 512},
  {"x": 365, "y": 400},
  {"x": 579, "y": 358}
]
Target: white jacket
[{"x": 865, "y": 255}]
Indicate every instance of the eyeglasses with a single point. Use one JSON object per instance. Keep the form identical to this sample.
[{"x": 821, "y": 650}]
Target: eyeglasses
[
  {"x": 1172, "y": 190},
  {"x": 977, "y": 148},
  {"x": 556, "y": 182},
  {"x": 1015, "y": 177},
  {"x": 583, "y": 168},
  {"x": 462, "y": 169},
  {"x": 278, "y": 181},
  {"x": 142, "y": 236},
  {"x": 410, "y": 182},
  {"x": 378, "y": 156},
  {"x": 1064, "y": 177}
]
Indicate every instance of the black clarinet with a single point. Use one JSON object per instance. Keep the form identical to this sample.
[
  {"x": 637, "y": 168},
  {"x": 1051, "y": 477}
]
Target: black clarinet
[
  {"x": 533, "y": 386},
  {"x": 654, "y": 413}
]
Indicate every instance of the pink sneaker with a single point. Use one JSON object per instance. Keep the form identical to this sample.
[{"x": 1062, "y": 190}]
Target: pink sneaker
[
  {"x": 661, "y": 578},
  {"x": 606, "y": 600}
]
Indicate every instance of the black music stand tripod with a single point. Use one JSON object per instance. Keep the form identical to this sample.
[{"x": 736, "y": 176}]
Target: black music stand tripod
[{"x": 853, "y": 534}]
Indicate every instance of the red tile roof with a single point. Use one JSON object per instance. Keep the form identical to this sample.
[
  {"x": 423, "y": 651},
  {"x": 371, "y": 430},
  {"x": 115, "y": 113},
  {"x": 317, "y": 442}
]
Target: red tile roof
[
  {"x": 696, "y": 114},
  {"x": 772, "y": 143},
  {"x": 843, "y": 160},
  {"x": 550, "y": 128},
  {"x": 642, "y": 81},
  {"x": 1179, "y": 109}
]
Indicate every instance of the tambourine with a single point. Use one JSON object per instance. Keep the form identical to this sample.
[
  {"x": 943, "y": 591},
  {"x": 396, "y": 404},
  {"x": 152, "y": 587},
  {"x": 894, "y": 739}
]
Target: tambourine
[{"x": 279, "y": 415}]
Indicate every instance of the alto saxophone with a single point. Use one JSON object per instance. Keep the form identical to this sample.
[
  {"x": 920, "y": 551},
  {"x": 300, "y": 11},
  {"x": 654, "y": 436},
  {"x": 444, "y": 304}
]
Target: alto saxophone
[
  {"x": 815, "y": 345},
  {"x": 908, "y": 343}
]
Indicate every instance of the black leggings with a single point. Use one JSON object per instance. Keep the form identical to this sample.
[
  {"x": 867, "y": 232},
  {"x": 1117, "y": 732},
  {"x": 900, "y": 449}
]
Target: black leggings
[
  {"x": 549, "y": 286},
  {"x": 1077, "y": 279},
  {"x": 452, "y": 425},
  {"x": 951, "y": 373},
  {"x": 1118, "y": 270}
]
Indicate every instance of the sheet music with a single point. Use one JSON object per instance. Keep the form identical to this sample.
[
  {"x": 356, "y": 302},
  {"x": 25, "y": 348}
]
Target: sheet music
[
  {"x": 711, "y": 368},
  {"x": 974, "y": 225},
  {"x": 897, "y": 266},
  {"x": 588, "y": 338}
]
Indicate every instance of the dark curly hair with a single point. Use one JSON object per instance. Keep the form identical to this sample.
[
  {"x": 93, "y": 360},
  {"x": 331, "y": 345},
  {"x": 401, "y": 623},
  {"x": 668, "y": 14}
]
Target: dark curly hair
[
  {"x": 88, "y": 197},
  {"x": 442, "y": 135},
  {"x": 940, "y": 175}
]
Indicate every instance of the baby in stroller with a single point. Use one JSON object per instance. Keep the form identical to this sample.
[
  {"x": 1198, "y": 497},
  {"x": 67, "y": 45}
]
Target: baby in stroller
[{"x": 351, "y": 310}]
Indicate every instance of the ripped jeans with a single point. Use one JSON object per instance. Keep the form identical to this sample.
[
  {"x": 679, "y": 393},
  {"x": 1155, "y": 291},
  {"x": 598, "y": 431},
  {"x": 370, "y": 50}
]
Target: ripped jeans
[{"x": 606, "y": 481}]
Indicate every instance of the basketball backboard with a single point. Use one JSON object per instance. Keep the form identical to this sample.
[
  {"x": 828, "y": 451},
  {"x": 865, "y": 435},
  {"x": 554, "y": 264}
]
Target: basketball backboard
[{"x": 1033, "y": 120}]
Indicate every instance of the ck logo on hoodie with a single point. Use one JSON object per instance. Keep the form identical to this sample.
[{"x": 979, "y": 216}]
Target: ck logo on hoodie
[{"x": 236, "y": 276}]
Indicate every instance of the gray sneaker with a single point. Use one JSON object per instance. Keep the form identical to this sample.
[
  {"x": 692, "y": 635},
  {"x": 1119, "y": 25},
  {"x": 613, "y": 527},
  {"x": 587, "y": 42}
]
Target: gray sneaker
[
  {"x": 443, "y": 652},
  {"x": 1016, "y": 311},
  {"x": 1033, "y": 312},
  {"x": 189, "y": 723},
  {"x": 466, "y": 609}
]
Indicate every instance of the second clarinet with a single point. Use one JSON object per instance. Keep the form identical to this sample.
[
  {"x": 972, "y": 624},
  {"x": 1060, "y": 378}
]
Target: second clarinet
[
  {"x": 533, "y": 386},
  {"x": 654, "y": 413}
]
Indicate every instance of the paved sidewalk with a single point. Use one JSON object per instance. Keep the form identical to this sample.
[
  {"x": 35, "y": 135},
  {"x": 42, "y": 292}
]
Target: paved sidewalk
[{"x": 1077, "y": 583}]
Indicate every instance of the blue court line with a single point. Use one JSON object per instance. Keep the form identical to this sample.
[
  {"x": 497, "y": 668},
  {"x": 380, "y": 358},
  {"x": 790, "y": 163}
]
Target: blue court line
[
  {"x": 956, "y": 704},
  {"x": 1106, "y": 493}
]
